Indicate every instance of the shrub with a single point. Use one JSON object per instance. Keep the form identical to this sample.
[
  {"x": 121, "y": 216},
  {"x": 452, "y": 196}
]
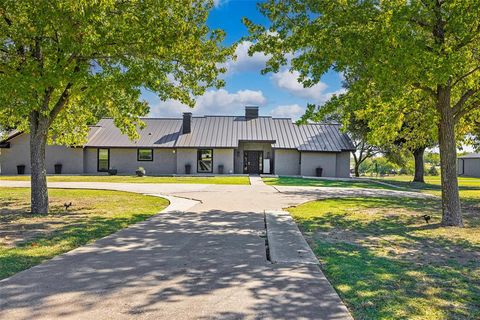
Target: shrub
[{"x": 433, "y": 171}]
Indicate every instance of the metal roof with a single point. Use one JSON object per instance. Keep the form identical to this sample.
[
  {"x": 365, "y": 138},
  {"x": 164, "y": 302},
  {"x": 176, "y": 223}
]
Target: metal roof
[
  {"x": 470, "y": 156},
  {"x": 224, "y": 132}
]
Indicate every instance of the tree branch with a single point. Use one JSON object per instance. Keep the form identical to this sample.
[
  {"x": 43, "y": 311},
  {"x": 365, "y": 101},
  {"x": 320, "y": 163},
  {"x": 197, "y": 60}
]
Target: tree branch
[
  {"x": 62, "y": 101},
  {"x": 465, "y": 75},
  {"x": 47, "y": 97},
  {"x": 464, "y": 111},
  {"x": 6, "y": 19},
  {"x": 457, "y": 108},
  {"x": 426, "y": 89}
]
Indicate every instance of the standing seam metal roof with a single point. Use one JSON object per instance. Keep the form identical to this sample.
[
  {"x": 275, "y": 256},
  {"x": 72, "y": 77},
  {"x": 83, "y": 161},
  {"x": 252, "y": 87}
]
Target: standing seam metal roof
[{"x": 224, "y": 132}]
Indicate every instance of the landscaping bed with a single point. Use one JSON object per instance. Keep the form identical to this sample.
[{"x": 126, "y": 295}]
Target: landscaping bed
[
  {"x": 387, "y": 262},
  {"x": 28, "y": 239}
]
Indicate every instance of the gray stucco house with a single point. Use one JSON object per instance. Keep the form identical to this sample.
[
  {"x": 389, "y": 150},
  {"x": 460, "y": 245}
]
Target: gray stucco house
[
  {"x": 249, "y": 144},
  {"x": 469, "y": 165}
]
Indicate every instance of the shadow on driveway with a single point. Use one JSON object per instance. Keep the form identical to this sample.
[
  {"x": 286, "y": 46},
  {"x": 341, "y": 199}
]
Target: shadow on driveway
[{"x": 209, "y": 265}]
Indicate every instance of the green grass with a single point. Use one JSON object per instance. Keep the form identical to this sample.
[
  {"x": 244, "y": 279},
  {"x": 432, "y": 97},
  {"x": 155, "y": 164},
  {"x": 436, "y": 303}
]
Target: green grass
[
  {"x": 94, "y": 214},
  {"x": 292, "y": 181},
  {"x": 387, "y": 263},
  {"x": 469, "y": 187},
  {"x": 242, "y": 180}
]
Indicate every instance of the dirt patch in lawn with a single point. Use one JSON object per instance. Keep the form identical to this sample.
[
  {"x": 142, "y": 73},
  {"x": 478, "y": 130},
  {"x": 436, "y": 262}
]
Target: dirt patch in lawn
[
  {"x": 386, "y": 262},
  {"x": 419, "y": 251},
  {"x": 18, "y": 225}
]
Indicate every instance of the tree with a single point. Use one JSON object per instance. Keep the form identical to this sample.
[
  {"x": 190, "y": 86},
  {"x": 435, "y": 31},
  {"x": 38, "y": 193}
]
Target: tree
[
  {"x": 428, "y": 47},
  {"x": 336, "y": 110},
  {"x": 64, "y": 62}
]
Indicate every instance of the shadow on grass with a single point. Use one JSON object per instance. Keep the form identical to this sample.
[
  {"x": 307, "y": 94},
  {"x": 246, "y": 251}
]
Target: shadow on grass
[
  {"x": 423, "y": 186},
  {"x": 66, "y": 238},
  {"x": 295, "y": 181},
  {"x": 377, "y": 287},
  {"x": 386, "y": 267}
]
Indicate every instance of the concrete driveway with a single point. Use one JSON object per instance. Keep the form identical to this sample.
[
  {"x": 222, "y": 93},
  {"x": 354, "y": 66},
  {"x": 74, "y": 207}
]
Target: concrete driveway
[{"x": 204, "y": 258}]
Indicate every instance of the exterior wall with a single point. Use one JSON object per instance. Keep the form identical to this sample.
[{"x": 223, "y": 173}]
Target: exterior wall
[
  {"x": 19, "y": 154},
  {"x": 220, "y": 156},
  {"x": 312, "y": 160},
  {"x": 90, "y": 160},
  {"x": 125, "y": 161},
  {"x": 469, "y": 167},
  {"x": 343, "y": 165},
  {"x": 266, "y": 147},
  {"x": 186, "y": 156},
  {"x": 287, "y": 162},
  {"x": 224, "y": 157}
]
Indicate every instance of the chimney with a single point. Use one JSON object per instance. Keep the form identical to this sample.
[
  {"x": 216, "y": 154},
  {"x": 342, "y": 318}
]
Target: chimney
[
  {"x": 187, "y": 122},
  {"x": 251, "y": 112}
]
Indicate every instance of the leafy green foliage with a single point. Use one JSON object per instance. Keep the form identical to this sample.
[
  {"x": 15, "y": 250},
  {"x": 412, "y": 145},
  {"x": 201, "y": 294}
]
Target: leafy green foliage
[
  {"x": 68, "y": 62},
  {"x": 433, "y": 171},
  {"x": 409, "y": 58}
]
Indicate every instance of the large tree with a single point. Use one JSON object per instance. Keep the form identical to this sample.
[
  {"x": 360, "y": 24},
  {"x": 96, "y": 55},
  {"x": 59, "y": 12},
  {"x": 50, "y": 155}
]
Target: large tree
[
  {"x": 64, "y": 62},
  {"x": 429, "y": 46}
]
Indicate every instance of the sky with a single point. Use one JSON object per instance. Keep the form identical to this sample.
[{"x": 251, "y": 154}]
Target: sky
[{"x": 278, "y": 95}]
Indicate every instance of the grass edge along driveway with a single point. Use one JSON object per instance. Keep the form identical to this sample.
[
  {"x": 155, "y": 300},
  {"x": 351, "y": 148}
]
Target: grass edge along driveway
[
  {"x": 94, "y": 214},
  {"x": 331, "y": 183},
  {"x": 387, "y": 263},
  {"x": 236, "y": 180}
]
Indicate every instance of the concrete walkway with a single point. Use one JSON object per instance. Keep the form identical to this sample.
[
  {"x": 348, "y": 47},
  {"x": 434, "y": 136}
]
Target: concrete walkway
[{"x": 203, "y": 258}]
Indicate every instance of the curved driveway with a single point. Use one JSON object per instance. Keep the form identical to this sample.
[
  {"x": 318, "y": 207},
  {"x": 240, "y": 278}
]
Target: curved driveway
[{"x": 203, "y": 258}]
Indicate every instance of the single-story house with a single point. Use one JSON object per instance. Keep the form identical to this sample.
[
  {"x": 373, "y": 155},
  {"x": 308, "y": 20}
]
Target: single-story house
[
  {"x": 249, "y": 144},
  {"x": 469, "y": 165}
]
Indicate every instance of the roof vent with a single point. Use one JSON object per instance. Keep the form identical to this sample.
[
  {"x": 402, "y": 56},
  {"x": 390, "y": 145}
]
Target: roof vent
[
  {"x": 251, "y": 112},
  {"x": 187, "y": 122}
]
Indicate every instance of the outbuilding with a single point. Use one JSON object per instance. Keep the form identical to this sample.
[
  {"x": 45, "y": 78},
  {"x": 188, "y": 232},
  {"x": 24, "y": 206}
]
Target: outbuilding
[{"x": 469, "y": 165}]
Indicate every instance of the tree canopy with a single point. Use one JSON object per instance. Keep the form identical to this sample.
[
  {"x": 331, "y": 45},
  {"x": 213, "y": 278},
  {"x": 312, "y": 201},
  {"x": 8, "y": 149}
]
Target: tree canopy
[
  {"x": 398, "y": 49},
  {"x": 69, "y": 60},
  {"x": 65, "y": 62}
]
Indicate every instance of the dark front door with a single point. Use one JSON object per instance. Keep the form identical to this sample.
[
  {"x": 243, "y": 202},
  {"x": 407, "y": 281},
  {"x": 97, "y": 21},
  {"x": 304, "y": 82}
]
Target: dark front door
[{"x": 252, "y": 162}]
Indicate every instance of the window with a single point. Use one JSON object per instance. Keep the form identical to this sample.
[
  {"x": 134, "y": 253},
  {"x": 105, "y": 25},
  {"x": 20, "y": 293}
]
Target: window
[
  {"x": 205, "y": 160},
  {"x": 144, "y": 154},
  {"x": 103, "y": 157}
]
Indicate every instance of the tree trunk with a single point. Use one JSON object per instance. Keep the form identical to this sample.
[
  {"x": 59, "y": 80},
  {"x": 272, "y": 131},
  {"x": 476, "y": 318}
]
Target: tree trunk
[
  {"x": 452, "y": 214},
  {"x": 419, "y": 165},
  {"x": 357, "y": 169},
  {"x": 38, "y": 142}
]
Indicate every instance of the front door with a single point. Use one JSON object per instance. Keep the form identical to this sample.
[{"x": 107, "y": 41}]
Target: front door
[{"x": 252, "y": 162}]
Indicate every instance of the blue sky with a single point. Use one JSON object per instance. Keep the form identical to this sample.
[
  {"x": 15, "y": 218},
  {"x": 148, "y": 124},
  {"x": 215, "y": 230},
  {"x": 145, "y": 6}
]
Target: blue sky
[{"x": 277, "y": 94}]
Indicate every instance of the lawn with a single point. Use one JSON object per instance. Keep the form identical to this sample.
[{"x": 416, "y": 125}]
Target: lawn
[
  {"x": 294, "y": 181},
  {"x": 244, "y": 180},
  {"x": 469, "y": 187},
  {"x": 386, "y": 262},
  {"x": 27, "y": 240}
]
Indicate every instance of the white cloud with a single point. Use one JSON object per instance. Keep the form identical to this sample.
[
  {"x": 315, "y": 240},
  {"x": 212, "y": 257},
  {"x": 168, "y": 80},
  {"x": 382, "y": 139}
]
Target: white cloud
[
  {"x": 244, "y": 62},
  {"x": 289, "y": 81},
  {"x": 293, "y": 111},
  {"x": 218, "y": 3},
  {"x": 213, "y": 102}
]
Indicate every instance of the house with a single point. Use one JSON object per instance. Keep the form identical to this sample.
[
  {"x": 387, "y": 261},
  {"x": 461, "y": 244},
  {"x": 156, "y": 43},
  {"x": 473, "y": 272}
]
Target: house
[
  {"x": 249, "y": 144},
  {"x": 469, "y": 165}
]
